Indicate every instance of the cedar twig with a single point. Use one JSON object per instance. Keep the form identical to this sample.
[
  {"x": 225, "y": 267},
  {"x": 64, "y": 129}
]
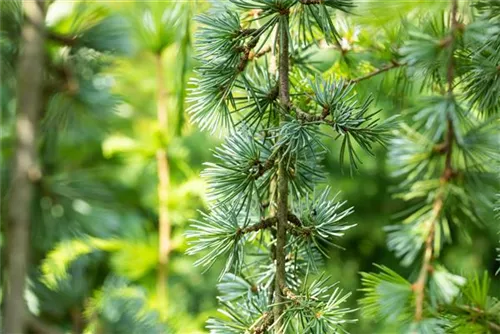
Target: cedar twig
[
  {"x": 447, "y": 148},
  {"x": 263, "y": 224},
  {"x": 394, "y": 64},
  {"x": 306, "y": 117}
]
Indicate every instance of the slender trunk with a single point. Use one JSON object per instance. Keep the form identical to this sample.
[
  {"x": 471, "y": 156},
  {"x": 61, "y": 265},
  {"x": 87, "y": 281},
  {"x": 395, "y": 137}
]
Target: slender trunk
[
  {"x": 282, "y": 210},
  {"x": 163, "y": 188},
  {"x": 25, "y": 170}
]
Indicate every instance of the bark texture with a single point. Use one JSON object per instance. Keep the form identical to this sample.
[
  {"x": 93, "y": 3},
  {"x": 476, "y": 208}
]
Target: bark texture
[
  {"x": 282, "y": 209},
  {"x": 25, "y": 170}
]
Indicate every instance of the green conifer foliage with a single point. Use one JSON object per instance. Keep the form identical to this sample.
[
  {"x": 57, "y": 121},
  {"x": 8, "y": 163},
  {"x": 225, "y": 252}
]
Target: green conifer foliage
[
  {"x": 269, "y": 219},
  {"x": 446, "y": 158}
]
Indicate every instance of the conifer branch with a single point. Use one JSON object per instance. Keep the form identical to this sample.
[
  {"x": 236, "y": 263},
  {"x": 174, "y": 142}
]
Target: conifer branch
[
  {"x": 477, "y": 311},
  {"x": 259, "y": 54},
  {"x": 263, "y": 324},
  {"x": 394, "y": 64},
  {"x": 419, "y": 286},
  {"x": 266, "y": 165},
  {"x": 245, "y": 57},
  {"x": 447, "y": 147},
  {"x": 263, "y": 224},
  {"x": 307, "y": 117},
  {"x": 294, "y": 219}
]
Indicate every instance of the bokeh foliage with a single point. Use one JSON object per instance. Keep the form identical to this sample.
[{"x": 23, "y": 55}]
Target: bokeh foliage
[{"x": 94, "y": 216}]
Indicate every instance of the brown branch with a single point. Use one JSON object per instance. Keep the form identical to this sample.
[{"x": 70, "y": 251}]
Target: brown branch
[
  {"x": 247, "y": 49},
  {"x": 306, "y": 117},
  {"x": 263, "y": 324},
  {"x": 259, "y": 54},
  {"x": 294, "y": 219},
  {"x": 454, "y": 27},
  {"x": 263, "y": 224},
  {"x": 493, "y": 326},
  {"x": 440, "y": 148},
  {"x": 290, "y": 295},
  {"x": 471, "y": 309},
  {"x": 419, "y": 285},
  {"x": 264, "y": 167},
  {"x": 448, "y": 173},
  {"x": 394, "y": 64},
  {"x": 282, "y": 186}
]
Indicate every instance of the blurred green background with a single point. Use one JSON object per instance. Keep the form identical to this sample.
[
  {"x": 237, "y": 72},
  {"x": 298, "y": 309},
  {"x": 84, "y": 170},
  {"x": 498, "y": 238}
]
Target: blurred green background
[{"x": 94, "y": 239}]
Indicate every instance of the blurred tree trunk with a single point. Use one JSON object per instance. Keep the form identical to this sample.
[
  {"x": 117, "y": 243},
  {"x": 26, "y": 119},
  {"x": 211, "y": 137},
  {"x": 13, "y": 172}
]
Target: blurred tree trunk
[
  {"x": 25, "y": 170},
  {"x": 163, "y": 187}
]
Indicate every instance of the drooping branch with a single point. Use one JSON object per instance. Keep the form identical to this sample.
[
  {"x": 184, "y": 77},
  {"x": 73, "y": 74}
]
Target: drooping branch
[
  {"x": 446, "y": 148},
  {"x": 323, "y": 117}
]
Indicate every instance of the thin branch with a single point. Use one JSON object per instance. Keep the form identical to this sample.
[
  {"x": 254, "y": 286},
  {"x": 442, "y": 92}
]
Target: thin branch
[
  {"x": 447, "y": 148},
  {"x": 259, "y": 54},
  {"x": 267, "y": 165},
  {"x": 247, "y": 49},
  {"x": 306, "y": 117},
  {"x": 294, "y": 219},
  {"x": 419, "y": 285},
  {"x": 394, "y": 64},
  {"x": 263, "y": 224},
  {"x": 261, "y": 326},
  {"x": 471, "y": 309},
  {"x": 290, "y": 295},
  {"x": 493, "y": 326}
]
